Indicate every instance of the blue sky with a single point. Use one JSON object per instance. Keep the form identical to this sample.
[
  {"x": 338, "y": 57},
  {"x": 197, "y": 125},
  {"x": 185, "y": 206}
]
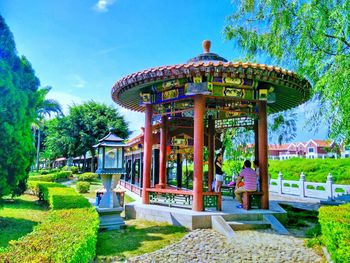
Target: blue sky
[{"x": 82, "y": 47}]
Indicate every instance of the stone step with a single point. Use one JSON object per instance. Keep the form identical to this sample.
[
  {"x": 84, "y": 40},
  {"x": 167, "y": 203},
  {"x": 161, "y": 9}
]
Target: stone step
[
  {"x": 248, "y": 225},
  {"x": 244, "y": 217}
]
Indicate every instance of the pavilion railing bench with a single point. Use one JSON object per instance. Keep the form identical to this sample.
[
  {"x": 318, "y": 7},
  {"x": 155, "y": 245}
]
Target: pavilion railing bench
[
  {"x": 230, "y": 188},
  {"x": 182, "y": 198},
  {"x": 252, "y": 200}
]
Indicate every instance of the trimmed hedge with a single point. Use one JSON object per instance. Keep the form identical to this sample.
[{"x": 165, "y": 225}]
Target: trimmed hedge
[
  {"x": 44, "y": 189},
  {"x": 65, "y": 236},
  {"x": 43, "y": 172},
  {"x": 83, "y": 187},
  {"x": 37, "y": 187},
  {"x": 335, "y": 227},
  {"x": 87, "y": 177},
  {"x": 63, "y": 175},
  {"x": 51, "y": 177},
  {"x": 65, "y": 198},
  {"x": 74, "y": 169},
  {"x": 42, "y": 178}
]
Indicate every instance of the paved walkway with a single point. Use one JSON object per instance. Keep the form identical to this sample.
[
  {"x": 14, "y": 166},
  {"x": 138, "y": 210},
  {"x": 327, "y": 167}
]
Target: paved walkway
[
  {"x": 69, "y": 182},
  {"x": 249, "y": 246},
  {"x": 296, "y": 201}
]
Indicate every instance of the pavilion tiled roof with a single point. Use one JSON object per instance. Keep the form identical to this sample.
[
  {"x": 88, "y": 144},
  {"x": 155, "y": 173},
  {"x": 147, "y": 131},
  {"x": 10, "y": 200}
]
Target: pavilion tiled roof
[
  {"x": 125, "y": 92},
  {"x": 136, "y": 139},
  {"x": 290, "y": 89}
]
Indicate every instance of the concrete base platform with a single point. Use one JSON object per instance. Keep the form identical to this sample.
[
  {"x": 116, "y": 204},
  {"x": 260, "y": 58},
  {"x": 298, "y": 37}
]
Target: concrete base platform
[
  {"x": 110, "y": 218},
  {"x": 194, "y": 220}
]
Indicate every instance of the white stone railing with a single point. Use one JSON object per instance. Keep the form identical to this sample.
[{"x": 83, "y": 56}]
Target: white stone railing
[{"x": 303, "y": 188}]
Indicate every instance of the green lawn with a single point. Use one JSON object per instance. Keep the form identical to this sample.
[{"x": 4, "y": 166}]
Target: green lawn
[
  {"x": 18, "y": 217},
  {"x": 315, "y": 170},
  {"x": 95, "y": 185},
  {"x": 138, "y": 238}
]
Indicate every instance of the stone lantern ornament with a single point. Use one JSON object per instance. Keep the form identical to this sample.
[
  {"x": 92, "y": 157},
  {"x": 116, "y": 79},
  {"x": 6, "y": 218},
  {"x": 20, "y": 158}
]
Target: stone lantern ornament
[{"x": 110, "y": 167}]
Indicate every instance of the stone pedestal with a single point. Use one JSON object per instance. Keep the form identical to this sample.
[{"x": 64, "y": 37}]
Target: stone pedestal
[
  {"x": 110, "y": 218},
  {"x": 109, "y": 208}
]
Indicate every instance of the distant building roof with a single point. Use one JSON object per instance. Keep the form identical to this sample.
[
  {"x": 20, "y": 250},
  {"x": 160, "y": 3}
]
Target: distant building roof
[
  {"x": 323, "y": 143},
  {"x": 60, "y": 159},
  {"x": 278, "y": 147}
]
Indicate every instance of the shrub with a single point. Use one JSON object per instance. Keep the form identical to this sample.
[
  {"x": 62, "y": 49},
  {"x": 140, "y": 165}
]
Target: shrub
[
  {"x": 83, "y": 187},
  {"x": 65, "y": 168},
  {"x": 63, "y": 175},
  {"x": 87, "y": 177},
  {"x": 44, "y": 172},
  {"x": 335, "y": 227},
  {"x": 51, "y": 177},
  {"x": 33, "y": 188},
  {"x": 66, "y": 198},
  {"x": 43, "y": 189},
  {"x": 65, "y": 236},
  {"x": 42, "y": 178},
  {"x": 37, "y": 187},
  {"x": 74, "y": 169}
]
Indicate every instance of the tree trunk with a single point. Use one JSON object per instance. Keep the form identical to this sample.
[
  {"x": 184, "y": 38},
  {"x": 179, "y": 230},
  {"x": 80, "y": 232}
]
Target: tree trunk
[
  {"x": 92, "y": 161},
  {"x": 38, "y": 152},
  {"x": 79, "y": 164},
  {"x": 84, "y": 164}
]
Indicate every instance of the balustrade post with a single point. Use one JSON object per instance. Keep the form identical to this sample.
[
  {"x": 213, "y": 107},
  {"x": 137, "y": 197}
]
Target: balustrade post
[
  {"x": 279, "y": 183},
  {"x": 302, "y": 184},
  {"x": 329, "y": 186}
]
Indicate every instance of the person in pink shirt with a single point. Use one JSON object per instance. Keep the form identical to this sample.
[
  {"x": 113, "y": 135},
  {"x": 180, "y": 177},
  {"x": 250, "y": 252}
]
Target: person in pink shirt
[{"x": 249, "y": 177}]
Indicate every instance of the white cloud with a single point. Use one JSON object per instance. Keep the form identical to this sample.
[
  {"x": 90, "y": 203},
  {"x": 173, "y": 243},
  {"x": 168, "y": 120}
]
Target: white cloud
[
  {"x": 102, "y": 5},
  {"x": 111, "y": 49},
  {"x": 76, "y": 81},
  {"x": 65, "y": 99}
]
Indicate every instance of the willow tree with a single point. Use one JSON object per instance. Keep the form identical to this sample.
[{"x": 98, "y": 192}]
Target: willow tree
[{"x": 311, "y": 37}]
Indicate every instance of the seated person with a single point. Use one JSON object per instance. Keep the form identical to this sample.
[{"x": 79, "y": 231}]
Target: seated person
[{"x": 249, "y": 176}]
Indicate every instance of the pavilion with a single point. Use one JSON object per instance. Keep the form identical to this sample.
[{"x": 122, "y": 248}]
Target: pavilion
[{"x": 207, "y": 94}]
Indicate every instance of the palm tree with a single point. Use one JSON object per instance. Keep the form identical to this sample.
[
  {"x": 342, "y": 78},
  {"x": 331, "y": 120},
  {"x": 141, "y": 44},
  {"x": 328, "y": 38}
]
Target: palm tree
[{"x": 45, "y": 107}]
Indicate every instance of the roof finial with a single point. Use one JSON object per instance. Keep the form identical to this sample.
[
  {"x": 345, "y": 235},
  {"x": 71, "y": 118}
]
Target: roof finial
[{"x": 206, "y": 46}]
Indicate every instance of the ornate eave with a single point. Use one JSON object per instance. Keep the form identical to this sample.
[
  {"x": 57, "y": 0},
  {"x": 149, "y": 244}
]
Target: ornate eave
[{"x": 290, "y": 89}]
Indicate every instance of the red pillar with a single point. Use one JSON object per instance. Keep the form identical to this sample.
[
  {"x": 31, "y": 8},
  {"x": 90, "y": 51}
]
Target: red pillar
[
  {"x": 211, "y": 147},
  {"x": 147, "y": 157},
  {"x": 162, "y": 152},
  {"x": 262, "y": 131},
  {"x": 199, "y": 109},
  {"x": 256, "y": 140}
]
